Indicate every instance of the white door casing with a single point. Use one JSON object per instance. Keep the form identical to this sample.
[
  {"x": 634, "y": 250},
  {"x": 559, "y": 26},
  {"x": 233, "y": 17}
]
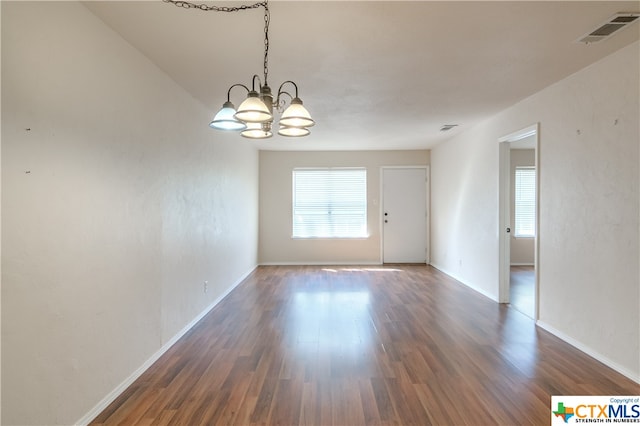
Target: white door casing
[{"x": 504, "y": 216}]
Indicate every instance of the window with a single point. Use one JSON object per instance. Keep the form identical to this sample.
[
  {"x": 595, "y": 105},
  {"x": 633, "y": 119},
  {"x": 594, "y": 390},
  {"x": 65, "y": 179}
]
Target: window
[
  {"x": 525, "y": 202},
  {"x": 330, "y": 203}
]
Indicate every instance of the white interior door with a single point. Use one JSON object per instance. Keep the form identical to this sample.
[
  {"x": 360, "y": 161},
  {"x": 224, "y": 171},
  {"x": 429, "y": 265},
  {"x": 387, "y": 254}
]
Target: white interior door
[{"x": 404, "y": 215}]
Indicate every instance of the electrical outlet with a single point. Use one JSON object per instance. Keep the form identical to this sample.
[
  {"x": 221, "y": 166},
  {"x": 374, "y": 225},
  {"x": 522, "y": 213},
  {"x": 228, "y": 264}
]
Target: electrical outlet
[{"x": 206, "y": 286}]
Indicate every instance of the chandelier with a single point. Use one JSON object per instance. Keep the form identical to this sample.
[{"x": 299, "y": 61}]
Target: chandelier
[{"x": 254, "y": 117}]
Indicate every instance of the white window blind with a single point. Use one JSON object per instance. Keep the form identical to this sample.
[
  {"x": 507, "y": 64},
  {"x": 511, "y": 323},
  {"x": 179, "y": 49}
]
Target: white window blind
[
  {"x": 525, "y": 202},
  {"x": 330, "y": 203}
]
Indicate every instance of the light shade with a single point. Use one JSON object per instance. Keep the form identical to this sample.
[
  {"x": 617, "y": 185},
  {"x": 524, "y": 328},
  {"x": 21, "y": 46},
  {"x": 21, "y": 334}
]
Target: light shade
[
  {"x": 224, "y": 119},
  {"x": 296, "y": 115},
  {"x": 253, "y": 110},
  {"x": 293, "y": 131},
  {"x": 257, "y": 131}
]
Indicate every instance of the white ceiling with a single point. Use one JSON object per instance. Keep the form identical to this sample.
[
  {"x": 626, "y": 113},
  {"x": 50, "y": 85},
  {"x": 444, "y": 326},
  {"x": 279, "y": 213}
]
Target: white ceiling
[{"x": 373, "y": 74}]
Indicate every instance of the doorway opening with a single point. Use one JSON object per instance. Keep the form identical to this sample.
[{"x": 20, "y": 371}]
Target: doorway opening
[{"x": 518, "y": 220}]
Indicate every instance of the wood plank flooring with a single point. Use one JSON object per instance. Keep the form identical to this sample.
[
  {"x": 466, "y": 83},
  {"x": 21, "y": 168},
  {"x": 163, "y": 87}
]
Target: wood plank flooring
[
  {"x": 401, "y": 345},
  {"x": 522, "y": 294}
]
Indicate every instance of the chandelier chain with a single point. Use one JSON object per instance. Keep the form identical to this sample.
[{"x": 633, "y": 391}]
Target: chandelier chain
[
  {"x": 213, "y": 8},
  {"x": 207, "y": 8},
  {"x": 267, "y": 20}
]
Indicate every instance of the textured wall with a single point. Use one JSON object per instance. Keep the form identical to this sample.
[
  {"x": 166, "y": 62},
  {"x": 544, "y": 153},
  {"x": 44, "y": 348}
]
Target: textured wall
[
  {"x": 589, "y": 213},
  {"x": 276, "y": 244},
  {"x": 118, "y": 202}
]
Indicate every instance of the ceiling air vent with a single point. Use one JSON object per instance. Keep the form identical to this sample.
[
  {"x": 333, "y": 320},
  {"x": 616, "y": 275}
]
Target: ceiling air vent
[{"x": 610, "y": 27}]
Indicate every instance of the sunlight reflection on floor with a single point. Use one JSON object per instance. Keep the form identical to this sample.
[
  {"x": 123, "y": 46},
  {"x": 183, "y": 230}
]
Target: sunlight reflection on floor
[{"x": 362, "y": 270}]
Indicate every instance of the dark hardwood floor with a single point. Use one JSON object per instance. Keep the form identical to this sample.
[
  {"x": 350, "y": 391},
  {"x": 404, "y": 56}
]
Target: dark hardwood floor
[
  {"x": 522, "y": 292},
  {"x": 361, "y": 345}
]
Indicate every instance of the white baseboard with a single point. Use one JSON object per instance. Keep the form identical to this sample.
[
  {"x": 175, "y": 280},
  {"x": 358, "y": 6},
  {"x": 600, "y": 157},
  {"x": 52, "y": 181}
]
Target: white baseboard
[
  {"x": 337, "y": 263},
  {"x": 589, "y": 351},
  {"x": 562, "y": 336},
  {"x": 111, "y": 396},
  {"x": 471, "y": 286}
]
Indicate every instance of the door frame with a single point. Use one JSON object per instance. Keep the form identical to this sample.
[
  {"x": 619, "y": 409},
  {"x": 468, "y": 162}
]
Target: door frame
[
  {"x": 504, "y": 212},
  {"x": 427, "y": 209}
]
